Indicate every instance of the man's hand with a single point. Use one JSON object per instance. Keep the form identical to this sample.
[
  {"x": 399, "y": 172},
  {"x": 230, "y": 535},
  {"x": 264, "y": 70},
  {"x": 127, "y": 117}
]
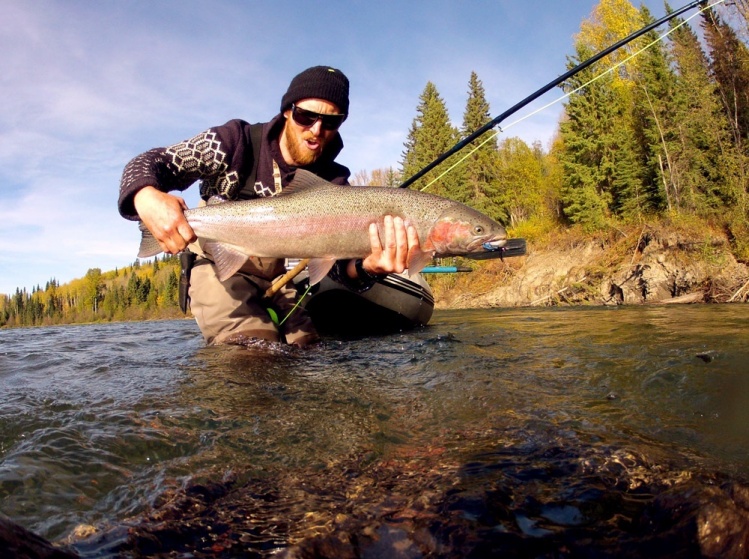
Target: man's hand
[
  {"x": 163, "y": 215},
  {"x": 391, "y": 254}
]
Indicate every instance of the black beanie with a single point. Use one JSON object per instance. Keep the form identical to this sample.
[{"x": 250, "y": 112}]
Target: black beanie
[{"x": 318, "y": 82}]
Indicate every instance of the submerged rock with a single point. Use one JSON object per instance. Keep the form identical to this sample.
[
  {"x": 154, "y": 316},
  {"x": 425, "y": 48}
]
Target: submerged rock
[
  {"x": 723, "y": 523},
  {"x": 16, "y": 542},
  {"x": 514, "y": 497}
]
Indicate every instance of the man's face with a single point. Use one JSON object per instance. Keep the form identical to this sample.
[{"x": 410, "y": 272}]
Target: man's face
[{"x": 302, "y": 145}]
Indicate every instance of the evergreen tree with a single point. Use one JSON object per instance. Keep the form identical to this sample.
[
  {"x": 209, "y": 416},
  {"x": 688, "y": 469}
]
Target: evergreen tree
[
  {"x": 654, "y": 131},
  {"x": 385, "y": 177},
  {"x": 587, "y": 156},
  {"x": 53, "y": 302},
  {"x": 144, "y": 291},
  {"x": 480, "y": 170},
  {"x": 611, "y": 139},
  {"x": 430, "y": 136},
  {"x": 171, "y": 289},
  {"x": 19, "y": 302},
  {"x": 133, "y": 290},
  {"x": 392, "y": 178},
  {"x": 705, "y": 163},
  {"x": 730, "y": 69},
  {"x": 630, "y": 198}
]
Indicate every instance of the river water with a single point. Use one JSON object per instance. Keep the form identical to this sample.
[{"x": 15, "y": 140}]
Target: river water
[{"x": 523, "y": 432}]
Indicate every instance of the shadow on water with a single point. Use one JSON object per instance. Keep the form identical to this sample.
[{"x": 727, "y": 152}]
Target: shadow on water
[{"x": 520, "y": 433}]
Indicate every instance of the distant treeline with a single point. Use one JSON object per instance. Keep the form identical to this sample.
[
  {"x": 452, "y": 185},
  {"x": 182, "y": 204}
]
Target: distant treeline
[
  {"x": 137, "y": 292},
  {"x": 661, "y": 136}
]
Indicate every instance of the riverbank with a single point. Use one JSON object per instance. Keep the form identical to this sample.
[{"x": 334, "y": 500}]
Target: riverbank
[{"x": 645, "y": 265}]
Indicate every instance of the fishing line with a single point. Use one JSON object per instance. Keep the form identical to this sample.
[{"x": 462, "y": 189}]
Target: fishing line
[
  {"x": 617, "y": 65},
  {"x": 494, "y": 123},
  {"x": 299, "y": 302}
]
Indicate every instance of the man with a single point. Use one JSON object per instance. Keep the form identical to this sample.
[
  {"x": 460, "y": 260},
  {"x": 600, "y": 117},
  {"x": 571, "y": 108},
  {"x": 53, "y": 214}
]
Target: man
[{"x": 228, "y": 162}]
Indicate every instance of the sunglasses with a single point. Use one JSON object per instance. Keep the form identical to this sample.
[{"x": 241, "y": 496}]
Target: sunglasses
[{"x": 306, "y": 118}]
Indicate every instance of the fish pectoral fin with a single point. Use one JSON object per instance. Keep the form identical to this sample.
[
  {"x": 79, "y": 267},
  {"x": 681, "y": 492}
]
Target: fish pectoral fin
[
  {"x": 318, "y": 268},
  {"x": 149, "y": 246},
  {"x": 418, "y": 261},
  {"x": 227, "y": 259}
]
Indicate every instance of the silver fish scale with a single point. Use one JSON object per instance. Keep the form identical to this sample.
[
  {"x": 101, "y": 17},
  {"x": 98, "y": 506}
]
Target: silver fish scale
[{"x": 323, "y": 221}]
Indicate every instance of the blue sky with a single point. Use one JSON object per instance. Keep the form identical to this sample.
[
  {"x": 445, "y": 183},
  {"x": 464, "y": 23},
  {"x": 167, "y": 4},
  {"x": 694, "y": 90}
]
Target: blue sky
[{"x": 88, "y": 85}]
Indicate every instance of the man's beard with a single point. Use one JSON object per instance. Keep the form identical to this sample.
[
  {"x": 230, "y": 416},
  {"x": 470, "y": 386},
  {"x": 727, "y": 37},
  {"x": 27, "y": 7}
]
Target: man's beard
[{"x": 296, "y": 148}]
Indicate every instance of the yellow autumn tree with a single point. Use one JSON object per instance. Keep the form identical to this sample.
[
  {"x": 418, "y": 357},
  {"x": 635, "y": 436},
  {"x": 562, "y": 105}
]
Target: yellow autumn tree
[{"x": 610, "y": 22}]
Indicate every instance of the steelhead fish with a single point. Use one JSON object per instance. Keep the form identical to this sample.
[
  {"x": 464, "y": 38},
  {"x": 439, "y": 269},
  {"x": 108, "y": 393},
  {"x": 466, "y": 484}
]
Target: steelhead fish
[{"x": 315, "y": 219}]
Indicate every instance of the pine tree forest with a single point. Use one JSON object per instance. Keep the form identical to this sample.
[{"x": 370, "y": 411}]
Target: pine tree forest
[
  {"x": 137, "y": 292},
  {"x": 657, "y": 135},
  {"x": 663, "y": 135}
]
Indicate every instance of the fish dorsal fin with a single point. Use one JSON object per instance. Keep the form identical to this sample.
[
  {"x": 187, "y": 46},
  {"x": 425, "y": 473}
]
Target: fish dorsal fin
[
  {"x": 304, "y": 180},
  {"x": 318, "y": 268},
  {"x": 227, "y": 259}
]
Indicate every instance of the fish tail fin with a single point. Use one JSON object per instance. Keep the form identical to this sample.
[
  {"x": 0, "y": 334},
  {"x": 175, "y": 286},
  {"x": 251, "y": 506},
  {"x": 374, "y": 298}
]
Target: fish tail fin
[{"x": 149, "y": 246}]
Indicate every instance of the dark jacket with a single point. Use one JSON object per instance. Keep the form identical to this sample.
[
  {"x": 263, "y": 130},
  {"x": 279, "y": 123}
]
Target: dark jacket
[{"x": 221, "y": 158}]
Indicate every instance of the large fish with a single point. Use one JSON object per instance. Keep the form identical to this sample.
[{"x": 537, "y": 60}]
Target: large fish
[{"x": 324, "y": 222}]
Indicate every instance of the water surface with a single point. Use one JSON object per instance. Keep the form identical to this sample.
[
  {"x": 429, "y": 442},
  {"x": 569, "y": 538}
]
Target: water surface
[{"x": 523, "y": 431}]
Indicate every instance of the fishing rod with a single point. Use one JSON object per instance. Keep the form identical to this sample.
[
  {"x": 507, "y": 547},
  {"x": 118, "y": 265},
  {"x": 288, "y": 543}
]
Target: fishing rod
[{"x": 552, "y": 84}]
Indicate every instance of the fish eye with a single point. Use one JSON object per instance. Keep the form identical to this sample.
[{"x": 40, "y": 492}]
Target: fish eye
[{"x": 478, "y": 230}]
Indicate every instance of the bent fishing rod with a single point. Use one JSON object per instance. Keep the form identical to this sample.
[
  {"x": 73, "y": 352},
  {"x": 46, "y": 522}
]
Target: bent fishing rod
[{"x": 552, "y": 84}]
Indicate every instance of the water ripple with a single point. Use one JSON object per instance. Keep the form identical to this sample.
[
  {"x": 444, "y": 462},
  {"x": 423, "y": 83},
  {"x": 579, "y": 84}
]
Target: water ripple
[{"x": 552, "y": 409}]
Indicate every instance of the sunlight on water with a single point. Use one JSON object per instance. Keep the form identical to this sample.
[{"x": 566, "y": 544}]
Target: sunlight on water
[{"x": 99, "y": 423}]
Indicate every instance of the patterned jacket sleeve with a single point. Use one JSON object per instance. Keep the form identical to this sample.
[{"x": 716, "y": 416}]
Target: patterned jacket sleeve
[{"x": 216, "y": 157}]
